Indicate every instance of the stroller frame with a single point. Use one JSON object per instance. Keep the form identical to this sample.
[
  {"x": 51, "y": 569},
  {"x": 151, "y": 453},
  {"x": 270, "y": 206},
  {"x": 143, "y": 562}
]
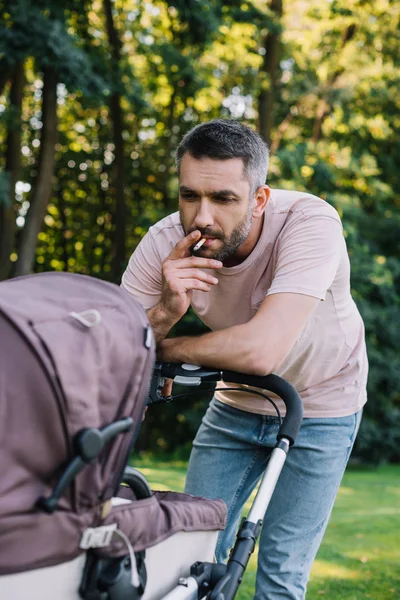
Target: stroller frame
[{"x": 215, "y": 580}]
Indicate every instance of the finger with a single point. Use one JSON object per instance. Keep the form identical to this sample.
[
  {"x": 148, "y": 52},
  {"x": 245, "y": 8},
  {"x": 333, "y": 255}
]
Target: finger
[
  {"x": 196, "y": 284},
  {"x": 182, "y": 247},
  {"x": 167, "y": 387},
  {"x": 194, "y": 261},
  {"x": 196, "y": 274}
]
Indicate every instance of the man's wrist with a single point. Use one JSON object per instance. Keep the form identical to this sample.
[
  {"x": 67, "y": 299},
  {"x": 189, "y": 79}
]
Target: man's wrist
[
  {"x": 161, "y": 321},
  {"x": 173, "y": 349}
]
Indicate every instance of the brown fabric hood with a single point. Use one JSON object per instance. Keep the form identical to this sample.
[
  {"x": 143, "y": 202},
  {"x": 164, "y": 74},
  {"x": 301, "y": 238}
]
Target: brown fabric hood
[
  {"x": 75, "y": 353},
  {"x": 63, "y": 369}
]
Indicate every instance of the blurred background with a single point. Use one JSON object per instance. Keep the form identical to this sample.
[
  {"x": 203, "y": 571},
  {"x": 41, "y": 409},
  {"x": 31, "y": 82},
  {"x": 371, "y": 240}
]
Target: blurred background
[{"x": 95, "y": 95}]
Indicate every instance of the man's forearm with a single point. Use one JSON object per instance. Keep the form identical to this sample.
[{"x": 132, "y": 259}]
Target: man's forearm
[
  {"x": 160, "y": 321},
  {"x": 257, "y": 347},
  {"x": 230, "y": 348}
]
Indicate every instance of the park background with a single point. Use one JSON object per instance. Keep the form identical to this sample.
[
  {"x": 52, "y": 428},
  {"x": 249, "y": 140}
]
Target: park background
[{"x": 95, "y": 95}]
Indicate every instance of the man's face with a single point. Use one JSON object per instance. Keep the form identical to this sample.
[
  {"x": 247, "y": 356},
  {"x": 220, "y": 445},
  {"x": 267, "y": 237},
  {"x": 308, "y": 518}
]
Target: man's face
[{"x": 214, "y": 198}]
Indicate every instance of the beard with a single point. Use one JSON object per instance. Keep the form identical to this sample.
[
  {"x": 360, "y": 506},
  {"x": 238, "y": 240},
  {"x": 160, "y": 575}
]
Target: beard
[{"x": 230, "y": 243}]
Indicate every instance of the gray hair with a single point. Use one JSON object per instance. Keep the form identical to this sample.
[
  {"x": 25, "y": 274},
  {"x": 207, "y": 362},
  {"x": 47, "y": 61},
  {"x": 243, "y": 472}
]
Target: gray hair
[{"x": 221, "y": 139}]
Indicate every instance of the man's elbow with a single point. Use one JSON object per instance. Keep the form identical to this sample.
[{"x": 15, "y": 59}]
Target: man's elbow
[
  {"x": 257, "y": 356},
  {"x": 259, "y": 369},
  {"x": 261, "y": 364}
]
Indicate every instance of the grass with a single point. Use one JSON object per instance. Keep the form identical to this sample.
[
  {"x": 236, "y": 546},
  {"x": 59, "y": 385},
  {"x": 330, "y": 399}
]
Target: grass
[{"x": 360, "y": 554}]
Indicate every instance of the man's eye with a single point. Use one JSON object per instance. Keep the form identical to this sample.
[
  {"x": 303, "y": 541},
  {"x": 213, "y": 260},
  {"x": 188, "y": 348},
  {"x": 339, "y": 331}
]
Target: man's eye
[
  {"x": 189, "y": 197},
  {"x": 223, "y": 199}
]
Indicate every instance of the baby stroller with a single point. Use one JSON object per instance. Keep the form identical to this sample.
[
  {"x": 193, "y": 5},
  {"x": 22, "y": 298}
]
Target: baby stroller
[{"x": 76, "y": 359}]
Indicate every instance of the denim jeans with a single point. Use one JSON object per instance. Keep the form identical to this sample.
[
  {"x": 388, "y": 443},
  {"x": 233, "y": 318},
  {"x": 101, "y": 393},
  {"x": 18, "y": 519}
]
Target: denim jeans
[{"x": 229, "y": 456}]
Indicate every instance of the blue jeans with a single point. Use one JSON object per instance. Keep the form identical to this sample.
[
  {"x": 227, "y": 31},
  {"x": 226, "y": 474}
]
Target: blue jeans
[{"x": 229, "y": 456}]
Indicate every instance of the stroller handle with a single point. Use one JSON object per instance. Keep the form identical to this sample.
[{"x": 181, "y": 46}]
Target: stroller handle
[{"x": 194, "y": 375}]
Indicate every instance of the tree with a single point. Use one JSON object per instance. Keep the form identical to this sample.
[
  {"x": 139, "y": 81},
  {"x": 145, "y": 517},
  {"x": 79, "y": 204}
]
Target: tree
[
  {"x": 11, "y": 171},
  {"x": 320, "y": 80},
  {"x": 43, "y": 185},
  {"x": 270, "y": 72},
  {"x": 118, "y": 171},
  {"x": 38, "y": 31}
]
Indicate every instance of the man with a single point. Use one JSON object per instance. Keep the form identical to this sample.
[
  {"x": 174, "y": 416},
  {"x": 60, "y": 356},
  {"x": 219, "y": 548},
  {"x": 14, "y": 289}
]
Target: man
[{"x": 271, "y": 281}]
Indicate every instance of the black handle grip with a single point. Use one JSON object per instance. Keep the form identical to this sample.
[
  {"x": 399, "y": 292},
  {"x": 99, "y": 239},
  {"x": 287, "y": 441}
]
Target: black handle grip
[
  {"x": 294, "y": 404},
  {"x": 183, "y": 370}
]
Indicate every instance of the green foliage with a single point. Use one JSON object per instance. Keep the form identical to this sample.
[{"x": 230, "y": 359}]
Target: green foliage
[
  {"x": 376, "y": 289},
  {"x": 31, "y": 31},
  {"x": 199, "y": 18},
  {"x": 335, "y": 134}
]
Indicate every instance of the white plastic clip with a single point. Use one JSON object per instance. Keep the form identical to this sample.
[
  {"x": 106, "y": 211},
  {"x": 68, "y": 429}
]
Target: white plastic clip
[
  {"x": 97, "y": 537},
  {"x": 89, "y": 318},
  {"x": 100, "y": 537}
]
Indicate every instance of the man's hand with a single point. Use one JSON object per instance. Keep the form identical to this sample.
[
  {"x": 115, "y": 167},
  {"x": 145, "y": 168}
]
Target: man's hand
[
  {"x": 167, "y": 387},
  {"x": 181, "y": 274}
]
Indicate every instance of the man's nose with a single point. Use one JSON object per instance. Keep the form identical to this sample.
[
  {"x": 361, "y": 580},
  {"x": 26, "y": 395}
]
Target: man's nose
[{"x": 204, "y": 217}]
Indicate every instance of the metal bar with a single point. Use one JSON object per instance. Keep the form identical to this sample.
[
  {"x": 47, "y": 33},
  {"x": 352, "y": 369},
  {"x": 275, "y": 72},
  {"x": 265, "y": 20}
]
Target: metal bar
[
  {"x": 268, "y": 483},
  {"x": 187, "y": 589}
]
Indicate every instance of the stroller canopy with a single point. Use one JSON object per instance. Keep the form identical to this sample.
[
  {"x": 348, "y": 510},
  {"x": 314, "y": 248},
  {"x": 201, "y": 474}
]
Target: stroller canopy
[{"x": 75, "y": 353}]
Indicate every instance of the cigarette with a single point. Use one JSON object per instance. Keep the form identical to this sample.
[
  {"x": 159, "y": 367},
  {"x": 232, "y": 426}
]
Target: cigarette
[{"x": 199, "y": 244}]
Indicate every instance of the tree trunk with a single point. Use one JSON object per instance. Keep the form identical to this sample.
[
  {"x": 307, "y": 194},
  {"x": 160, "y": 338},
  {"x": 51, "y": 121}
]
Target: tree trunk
[
  {"x": 64, "y": 221},
  {"x": 168, "y": 161},
  {"x": 322, "y": 111},
  {"x": 5, "y": 74},
  {"x": 281, "y": 130},
  {"x": 42, "y": 189},
  {"x": 118, "y": 171},
  {"x": 270, "y": 69},
  {"x": 12, "y": 168}
]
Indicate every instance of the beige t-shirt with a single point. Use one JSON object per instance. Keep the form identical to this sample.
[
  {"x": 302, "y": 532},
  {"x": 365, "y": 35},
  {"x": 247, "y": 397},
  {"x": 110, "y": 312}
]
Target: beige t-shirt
[{"x": 301, "y": 250}]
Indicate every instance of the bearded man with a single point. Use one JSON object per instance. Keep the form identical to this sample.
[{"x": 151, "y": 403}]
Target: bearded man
[{"x": 271, "y": 279}]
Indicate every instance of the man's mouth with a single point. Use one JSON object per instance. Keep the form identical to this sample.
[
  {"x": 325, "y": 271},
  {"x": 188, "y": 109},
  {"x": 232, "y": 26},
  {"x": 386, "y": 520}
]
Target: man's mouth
[{"x": 209, "y": 241}]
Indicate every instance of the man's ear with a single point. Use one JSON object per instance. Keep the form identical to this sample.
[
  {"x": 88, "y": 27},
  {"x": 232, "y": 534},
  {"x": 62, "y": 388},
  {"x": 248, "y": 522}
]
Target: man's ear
[{"x": 261, "y": 200}]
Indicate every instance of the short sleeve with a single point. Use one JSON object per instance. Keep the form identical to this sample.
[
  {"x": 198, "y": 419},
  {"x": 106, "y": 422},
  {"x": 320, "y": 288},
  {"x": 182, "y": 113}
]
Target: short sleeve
[
  {"x": 308, "y": 255},
  {"x": 142, "y": 277}
]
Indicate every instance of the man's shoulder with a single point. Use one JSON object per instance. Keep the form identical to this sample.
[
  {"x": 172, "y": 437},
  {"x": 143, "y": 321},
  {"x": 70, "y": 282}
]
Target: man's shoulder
[
  {"x": 167, "y": 232},
  {"x": 297, "y": 204},
  {"x": 168, "y": 226}
]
